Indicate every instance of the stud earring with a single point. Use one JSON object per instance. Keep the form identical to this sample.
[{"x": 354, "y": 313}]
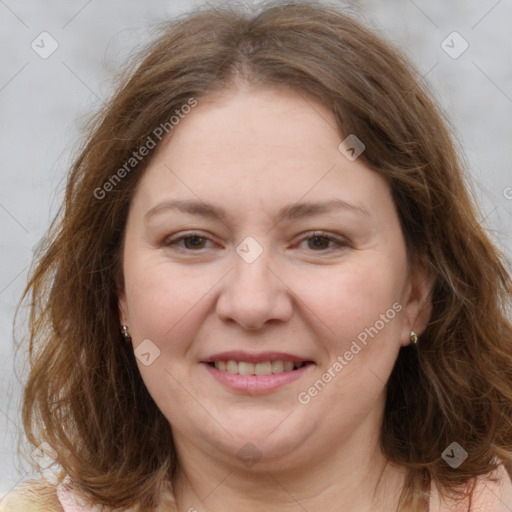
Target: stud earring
[
  {"x": 414, "y": 337},
  {"x": 124, "y": 331}
]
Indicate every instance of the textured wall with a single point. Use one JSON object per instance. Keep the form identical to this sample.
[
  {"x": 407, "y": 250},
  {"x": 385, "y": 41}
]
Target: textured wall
[{"x": 43, "y": 102}]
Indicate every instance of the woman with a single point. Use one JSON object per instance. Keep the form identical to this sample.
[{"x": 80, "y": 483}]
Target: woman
[{"x": 269, "y": 289}]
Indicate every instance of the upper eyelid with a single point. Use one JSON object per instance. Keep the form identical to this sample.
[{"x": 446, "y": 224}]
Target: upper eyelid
[
  {"x": 177, "y": 238},
  {"x": 338, "y": 239}
]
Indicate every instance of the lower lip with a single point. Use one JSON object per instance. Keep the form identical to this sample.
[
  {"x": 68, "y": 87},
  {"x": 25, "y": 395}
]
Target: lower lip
[{"x": 256, "y": 384}]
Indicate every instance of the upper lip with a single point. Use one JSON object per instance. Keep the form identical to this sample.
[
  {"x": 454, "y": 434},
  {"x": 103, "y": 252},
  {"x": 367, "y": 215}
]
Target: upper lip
[{"x": 239, "y": 355}]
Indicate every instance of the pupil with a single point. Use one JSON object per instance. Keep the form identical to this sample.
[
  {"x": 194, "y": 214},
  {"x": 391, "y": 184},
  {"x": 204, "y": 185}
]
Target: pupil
[
  {"x": 319, "y": 239},
  {"x": 196, "y": 240}
]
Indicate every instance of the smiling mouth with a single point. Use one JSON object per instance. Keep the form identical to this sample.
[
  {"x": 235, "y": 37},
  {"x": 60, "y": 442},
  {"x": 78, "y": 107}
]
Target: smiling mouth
[{"x": 262, "y": 368}]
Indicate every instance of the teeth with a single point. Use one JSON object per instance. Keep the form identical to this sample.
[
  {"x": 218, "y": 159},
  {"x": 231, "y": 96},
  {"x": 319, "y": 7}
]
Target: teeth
[
  {"x": 264, "y": 368},
  {"x": 232, "y": 367},
  {"x": 277, "y": 366},
  {"x": 245, "y": 368}
]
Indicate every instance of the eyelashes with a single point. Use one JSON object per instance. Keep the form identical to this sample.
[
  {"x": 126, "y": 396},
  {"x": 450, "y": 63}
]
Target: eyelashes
[{"x": 194, "y": 242}]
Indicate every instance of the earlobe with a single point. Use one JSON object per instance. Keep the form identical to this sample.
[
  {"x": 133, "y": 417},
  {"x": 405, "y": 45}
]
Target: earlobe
[
  {"x": 123, "y": 316},
  {"x": 122, "y": 307},
  {"x": 418, "y": 307}
]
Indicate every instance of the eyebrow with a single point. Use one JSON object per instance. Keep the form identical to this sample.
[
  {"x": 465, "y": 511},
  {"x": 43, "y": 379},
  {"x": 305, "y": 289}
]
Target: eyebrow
[{"x": 293, "y": 211}]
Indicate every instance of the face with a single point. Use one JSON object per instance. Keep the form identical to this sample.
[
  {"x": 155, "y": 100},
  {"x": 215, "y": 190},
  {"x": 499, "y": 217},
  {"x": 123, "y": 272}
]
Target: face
[{"x": 260, "y": 318}]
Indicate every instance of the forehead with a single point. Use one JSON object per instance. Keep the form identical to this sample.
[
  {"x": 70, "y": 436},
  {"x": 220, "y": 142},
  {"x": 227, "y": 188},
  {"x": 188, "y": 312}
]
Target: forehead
[
  {"x": 280, "y": 118},
  {"x": 257, "y": 148}
]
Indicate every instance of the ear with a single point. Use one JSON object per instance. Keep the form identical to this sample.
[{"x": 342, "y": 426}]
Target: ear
[
  {"x": 417, "y": 300},
  {"x": 122, "y": 305}
]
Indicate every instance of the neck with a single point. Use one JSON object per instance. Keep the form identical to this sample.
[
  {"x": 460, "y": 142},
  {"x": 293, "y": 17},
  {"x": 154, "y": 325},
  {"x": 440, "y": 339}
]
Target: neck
[{"x": 354, "y": 477}]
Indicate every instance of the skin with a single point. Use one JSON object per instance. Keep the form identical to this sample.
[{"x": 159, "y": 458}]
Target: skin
[{"x": 252, "y": 152}]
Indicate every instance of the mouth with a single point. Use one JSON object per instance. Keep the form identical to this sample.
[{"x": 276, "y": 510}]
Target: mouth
[
  {"x": 263, "y": 368},
  {"x": 256, "y": 373}
]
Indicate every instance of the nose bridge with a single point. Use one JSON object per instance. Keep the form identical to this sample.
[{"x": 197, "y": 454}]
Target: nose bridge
[
  {"x": 253, "y": 294},
  {"x": 252, "y": 267}
]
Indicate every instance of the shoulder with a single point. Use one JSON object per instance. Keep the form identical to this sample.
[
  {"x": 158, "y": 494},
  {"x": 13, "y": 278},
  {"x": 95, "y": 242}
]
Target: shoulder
[
  {"x": 34, "y": 495},
  {"x": 491, "y": 493},
  {"x": 44, "y": 496}
]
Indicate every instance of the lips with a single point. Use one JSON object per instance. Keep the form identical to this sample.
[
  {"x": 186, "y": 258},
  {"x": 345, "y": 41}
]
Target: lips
[{"x": 256, "y": 373}]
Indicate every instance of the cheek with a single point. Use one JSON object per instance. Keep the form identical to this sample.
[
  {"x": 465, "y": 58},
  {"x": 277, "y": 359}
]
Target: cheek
[
  {"x": 359, "y": 309},
  {"x": 164, "y": 299},
  {"x": 350, "y": 300}
]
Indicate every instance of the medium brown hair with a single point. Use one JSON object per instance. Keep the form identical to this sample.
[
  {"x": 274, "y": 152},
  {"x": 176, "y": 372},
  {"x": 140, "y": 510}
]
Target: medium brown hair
[{"x": 85, "y": 395}]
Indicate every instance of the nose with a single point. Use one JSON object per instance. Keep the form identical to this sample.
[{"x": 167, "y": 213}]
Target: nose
[{"x": 255, "y": 294}]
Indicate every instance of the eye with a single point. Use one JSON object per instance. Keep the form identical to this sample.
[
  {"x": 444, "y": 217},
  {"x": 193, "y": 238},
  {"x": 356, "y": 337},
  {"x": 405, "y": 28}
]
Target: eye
[
  {"x": 320, "y": 241},
  {"x": 191, "y": 242}
]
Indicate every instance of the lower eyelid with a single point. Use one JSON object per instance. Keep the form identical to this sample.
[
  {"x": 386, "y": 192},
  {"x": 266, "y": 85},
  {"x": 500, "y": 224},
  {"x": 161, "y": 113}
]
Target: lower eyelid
[{"x": 339, "y": 243}]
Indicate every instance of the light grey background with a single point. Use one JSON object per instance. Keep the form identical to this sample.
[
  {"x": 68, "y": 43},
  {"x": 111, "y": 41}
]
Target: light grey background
[{"x": 43, "y": 103}]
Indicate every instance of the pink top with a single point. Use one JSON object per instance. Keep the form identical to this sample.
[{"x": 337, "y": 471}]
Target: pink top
[
  {"x": 70, "y": 501},
  {"x": 488, "y": 497}
]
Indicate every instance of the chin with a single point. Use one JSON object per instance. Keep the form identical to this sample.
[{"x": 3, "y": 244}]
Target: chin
[{"x": 256, "y": 449}]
